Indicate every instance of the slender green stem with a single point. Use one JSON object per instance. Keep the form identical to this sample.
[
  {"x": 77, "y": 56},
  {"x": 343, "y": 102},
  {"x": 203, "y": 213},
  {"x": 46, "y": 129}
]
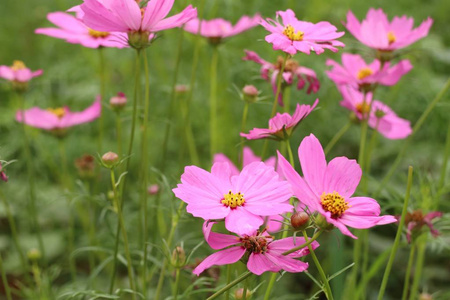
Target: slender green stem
[
  {"x": 119, "y": 135},
  {"x": 421, "y": 246},
  {"x": 363, "y": 137},
  {"x": 445, "y": 159},
  {"x": 230, "y": 285},
  {"x": 397, "y": 236},
  {"x": 213, "y": 101},
  {"x": 416, "y": 128},
  {"x": 287, "y": 98},
  {"x": 227, "y": 295},
  {"x": 244, "y": 292},
  {"x": 5, "y": 280},
  {"x": 307, "y": 243},
  {"x": 337, "y": 137},
  {"x": 102, "y": 95},
  {"x": 116, "y": 261},
  {"x": 177, "y": 283},
  {"x": 289, "y": 149},
  {"x": 124, "y": 233},
  {"x": 244, "y": 121},
  {"x": 327, "y": 289},
  {"x": 372, "y": 143},
  {"x": 408, "y": 271}
]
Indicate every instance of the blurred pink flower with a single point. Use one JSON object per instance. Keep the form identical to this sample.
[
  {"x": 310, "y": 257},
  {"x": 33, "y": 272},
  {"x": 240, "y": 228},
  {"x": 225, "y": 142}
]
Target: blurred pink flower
[
  {"x": 265, "y": 254},
  {"x": 416, "y": 220},
  {"x": 239, "y": 199},
  {"x": 18, "y": 72},
  {"x": 292, "y": 35},
  {"x": 377, "y": 32},
  {"x": 3, "y": 176},
  {"x": 73, "y": 30},
  {"x": 292, "y": 71},
  {"x": 58, "y": 118},
  {"x": 355, "y": 72},
  {"x": 281, "y": 125},
  {"x": 328, "y": 188},
  {"x": 381, "y": 118},
  {"x": 218, "y": 29}
]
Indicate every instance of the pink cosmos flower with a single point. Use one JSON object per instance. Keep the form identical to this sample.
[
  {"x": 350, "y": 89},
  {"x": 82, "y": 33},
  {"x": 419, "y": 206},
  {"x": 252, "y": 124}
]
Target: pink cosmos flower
[
  {"x": 18, "y": 72},
  {"x": 56, "y": 119},
  {"x": 217, "y": 29},
  {"x": 127, "y": 16},
  {"x": 282, "y": 125},
  {"x": 381, "y": 118},
  {"x": 416, "y": 220},
  {"x": 74, "y": 31},
  {"x": 292, "y": 71},
  {"x": 239, "y": 199},
  {"x": 265, "y": 254},
  {"x": 292, "y": 35},
  {"x": 377, "y": 32},
  {"x": 355, "y": 72},
  {"x": 328, "y": 188}
]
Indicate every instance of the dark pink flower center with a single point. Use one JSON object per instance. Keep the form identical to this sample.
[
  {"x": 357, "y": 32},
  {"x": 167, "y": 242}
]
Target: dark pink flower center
[
  {"x": 255, "y": 244},
  {"x": 334, "y": 203},
  {"x": 233, "y": 200}
]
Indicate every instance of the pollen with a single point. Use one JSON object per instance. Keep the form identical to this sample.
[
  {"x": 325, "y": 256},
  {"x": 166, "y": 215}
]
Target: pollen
[
  {"x": 391, "y": 37},
  {"x": 293, "y": 35},
  {"x": 233, "y": 200},
  {"x": 334, "y": 203},
  {"x": 362, "y": 108},
  {"x": 59, "y": 112},
  {"x": 364, "y": 72},
  {"x": 18, "y": 65},
  {"x": 98, "y": 34}
]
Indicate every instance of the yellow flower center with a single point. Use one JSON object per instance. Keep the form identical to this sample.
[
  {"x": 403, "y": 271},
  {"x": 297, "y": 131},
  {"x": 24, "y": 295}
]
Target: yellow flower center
[
  {"x": 98, "y": 34},
  {"x": 362, "y": 108},
  {"x": 364, "y": 72},
  {"x": 293, "y": 35},
  {"x": 334, "y": 203},
  {"x": 18, "y": 65},
  {"x": 233, "y": 200},
  {"x": 391, "y": 37},
  {"x": 59, "y": 112}
]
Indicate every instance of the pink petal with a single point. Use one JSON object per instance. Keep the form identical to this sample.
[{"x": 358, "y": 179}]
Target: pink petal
[
  {"x": 342, "y": 176},
  {"x": 287, "y": 263},
  {"x": 38, "y": 118},
  {"x": 129, "y": 12},
  {"x": 155, "y": 11},
  {"x": 224, "y": 257},
  {"x": 313, "y": 163},
  {"x": 176, "y": 20},
  {"x": 220, "y": 157},
  {"x": 88, "y": 115},
  {"x": 218, "y": 240},
  {"x": 242, "y": 222},
  {"x": 259, "y": 263}
]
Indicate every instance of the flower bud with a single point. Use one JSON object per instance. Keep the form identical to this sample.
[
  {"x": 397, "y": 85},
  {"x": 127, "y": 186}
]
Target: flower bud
[
  {"x": 321, "y": 221},
  {"x": 2, "y": 174},
  {"x": 425, "y": 296},
  {"x": 300, "y": 220},
  {"x": 118, "y": 102},
  {"x": 110, "y": 159},
  {"x": 250, "y": 93},
  {"x": 139, "y": 39},
  {"x": 239, "y": 294},
  {"x": 34, "y": 254},
  {"x": 85, "y": 166},
  {"x": 153, "y": 189},
  {"x": 178, "y": 257},
  {"x": 181, "y": 88}
]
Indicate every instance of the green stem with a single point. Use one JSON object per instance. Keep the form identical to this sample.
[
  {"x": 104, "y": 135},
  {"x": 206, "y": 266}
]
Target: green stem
[
  {"x": 287, "y": 99},
  {"x": 421, "y": 246},
  {"x": 289, "y": 149},
  {"x": 244, "y": 292},
  {"x": 5, "y": 280},
  {"x": 116, "y": 252},
  {"x": 337, "y": 137},
  {"x": 227, "y": 295},
  {"x": 416, "y": 128},
  {"x": 363, "y": 137},
  {"x": 397, "y": 236},
  {"x": 408, "y": 271},
  {"x": 445, "y": 160},
  {"x": 372, "y": 143},
  {"x": 213, "y": 101},
  {"x": 124, "y": 233},
  {"x": 327, "y": 289},
  {"x": 230, "y": 285},
  {"x": 119, "y": 134},
  {"x": 102, "y": 95},
  {"x": 177, "y": 283},
  {"x": 244, "y": 121}
]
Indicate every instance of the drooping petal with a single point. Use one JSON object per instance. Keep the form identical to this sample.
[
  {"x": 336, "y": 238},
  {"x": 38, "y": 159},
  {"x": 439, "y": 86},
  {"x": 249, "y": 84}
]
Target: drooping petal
[
  {"x": 259, "y": 263},
  {"x": 224, "y": 257},
  {"x": 218, "y": 240},
  {"x": 88, "y": 115}
]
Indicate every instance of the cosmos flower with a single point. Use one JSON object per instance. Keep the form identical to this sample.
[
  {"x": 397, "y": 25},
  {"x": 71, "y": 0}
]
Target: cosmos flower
[
  {"x": 218, "y": 29},
  {"x": 282, "y": 125},
  {"x": 377, "y": 32},
  {"x": 328, "y": 188},
  {"x": 240, "y": 199},
  {"x": 415, "y": 222},
  {"x": 292, "y": 72},
  {"x": 292, "y": 35},
  {"x": 18, "y": 72},
  {"x": 73, "y": 30},
  {"x": 357, "y": 73},
  {"x": 58, "y": 119},
  {"x": 264, "y": 253},
  {"x": 381, "y": 118}
]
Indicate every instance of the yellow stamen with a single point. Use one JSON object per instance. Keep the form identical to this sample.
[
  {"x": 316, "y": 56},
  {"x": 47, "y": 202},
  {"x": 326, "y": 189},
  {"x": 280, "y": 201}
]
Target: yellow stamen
[
  {"x": 362, "y": 108},
  {"x": 59, "y": 112},
  {"x": 233, "y": 200},
  {"x": 391, "y": 37},
  {"x": 293, "y": 35},
  {"x": 334, "y": 203},
  {"x": 364, "y": 72},
  {"x": 98, "y": 34},
  {"x": 18, "y": 65}
]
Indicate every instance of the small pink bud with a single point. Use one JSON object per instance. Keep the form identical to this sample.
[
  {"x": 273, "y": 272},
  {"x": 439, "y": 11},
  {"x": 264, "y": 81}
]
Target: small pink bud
[
  {"x": 2, "y": 174},
  {"x": 239, "y": 294},
  {"x": 178, "y": 257},
  {"x": 118, "y": 102},
  {"x": 153, "y": 189},
  {"x": 250, "y": 93},
  {"x": 181, "y": 88},
  {"x": 110, "y": 159}
]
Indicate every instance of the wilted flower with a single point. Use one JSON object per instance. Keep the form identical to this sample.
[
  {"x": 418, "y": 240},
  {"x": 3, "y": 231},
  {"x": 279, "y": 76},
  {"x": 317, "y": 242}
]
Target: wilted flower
[
  {"x": 282, "y": 125},
  {"x": 328, "y": 188},
  {"x": 292, "y": 72},
  {"x": 377, "y": 32},
  {"x": 264, "y": 253},
  {"x": 292, "y": 35},
  {"x": 357, "y": 73},
  {"x": 218, "y": 29},
  {"x": 381, "y": 117},
  {"x": 239, "y": 199},
  {"x": 416, "y": 221},
  {"x": 85, "y": 166}
]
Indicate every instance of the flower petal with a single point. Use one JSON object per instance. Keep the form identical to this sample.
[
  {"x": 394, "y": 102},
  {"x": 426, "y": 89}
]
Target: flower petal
[{"x": 224, "y": 257}]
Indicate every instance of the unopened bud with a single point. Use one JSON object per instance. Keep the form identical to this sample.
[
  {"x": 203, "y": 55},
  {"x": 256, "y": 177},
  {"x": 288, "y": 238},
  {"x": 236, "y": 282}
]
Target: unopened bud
[
  {"x": 181, "y": 88},
  {"x": 321, "y": 221},
  {"x": 425, "y": 296},
  {"x": 139, "y": 39},
  {"x": 300, "y": 220},
  {"x": 34, "y": 254},
  {"x": 118, "y": 102},
  {"x": 239, "y": 294},
  {"x": 178, "y": 257},
  {"x": 110, "y": 159},
  {"x": 153, "y": 189},
  {"x": 250, "y": 93}
]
